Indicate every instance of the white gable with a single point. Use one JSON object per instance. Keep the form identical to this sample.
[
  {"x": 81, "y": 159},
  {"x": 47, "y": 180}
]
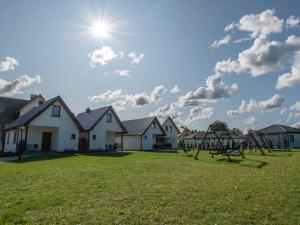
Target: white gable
[{"x": 35, "y": 102}]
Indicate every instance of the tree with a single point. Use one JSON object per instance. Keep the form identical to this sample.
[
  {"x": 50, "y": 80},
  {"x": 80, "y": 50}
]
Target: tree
[
  {"x": 236, "y": 131},
  {"x": 219, "y": 125}
]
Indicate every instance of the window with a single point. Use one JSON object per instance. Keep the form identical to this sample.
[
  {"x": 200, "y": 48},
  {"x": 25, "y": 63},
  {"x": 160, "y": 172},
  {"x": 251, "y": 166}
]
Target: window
[
  {"x": 292, "y": 139},
  {"x": 173, "y": 140},
  {"x": 56, "y": 110},
  {"x": 40, "y": 102},
  {"x": 15, "y": 137},
  {"x": 145, "y": 137},
  {"x": 94, "y": 137},
  {"x": 166, "y": 127},
  {"x": 108, "y": 118},
  {"x": 153, "y": 125},
  {"x": 73, "y": 136},
  {"x": 171, "y": 128},
  {"x": 8, "y": 137}
]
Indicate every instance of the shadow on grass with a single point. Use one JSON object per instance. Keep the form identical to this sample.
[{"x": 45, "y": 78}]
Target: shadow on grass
[
  {"x": 160, "y": 151},
  {"x": 258, "y": 164},
  {"x": 36, "y": 158},
  {"x": 107, "y": 154}
]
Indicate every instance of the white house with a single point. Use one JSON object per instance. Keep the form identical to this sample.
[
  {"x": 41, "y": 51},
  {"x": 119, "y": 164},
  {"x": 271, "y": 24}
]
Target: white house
[
  {"x": 281, "y": 136},
  {"x": 100, "y": 128},
  {"x": 172, "y": 132},
  {"x": 196, "y": 138},
  {"x": 143, "y": 134},
  {"x": 44, "y": 126}
]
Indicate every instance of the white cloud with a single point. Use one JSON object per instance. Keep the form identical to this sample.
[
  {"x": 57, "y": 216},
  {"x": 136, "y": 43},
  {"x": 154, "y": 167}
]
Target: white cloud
[
  {"x": 262, "y": 57},
  {"x": 8, "y": 64},
  {"x": 106, "y": 96},
  {"x": 123, "y": 73},
  {"x": 297, "y": 114},
  {"x": 135, "y": 59},
  {"x": 250, "y": 120},
  {"x": 217, "y": 43},
  {"x": 231, "y": 26},
  {"x": 134, "y": 100},
  {"x": 292, "y": 21},
  {"x": 253, "y": 105},
  {"x": 170, "y": 109},
  {"x": 292, "y": 78},
  {"x": 175, "y": 89},
  {"x": 262, "y": 24},
  {"x": 102, "y": 56},
  {"x": 283, "y": 111},
  {"x": 296, "y": 106},
  {"x": 200, "y": 112},
  {"x": 15, "y": 86},
  {"x": 215, "y": 89},
  {"x": 296, "y": 125}
]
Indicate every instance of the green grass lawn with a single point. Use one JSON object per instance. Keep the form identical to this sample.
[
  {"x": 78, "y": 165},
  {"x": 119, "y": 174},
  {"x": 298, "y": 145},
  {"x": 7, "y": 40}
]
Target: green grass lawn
[{"x": 151, "y": 188}]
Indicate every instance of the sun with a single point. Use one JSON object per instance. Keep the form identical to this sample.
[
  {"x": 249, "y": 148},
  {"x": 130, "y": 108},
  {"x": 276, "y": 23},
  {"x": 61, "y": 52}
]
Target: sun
[{"x": 100, "y": 29}]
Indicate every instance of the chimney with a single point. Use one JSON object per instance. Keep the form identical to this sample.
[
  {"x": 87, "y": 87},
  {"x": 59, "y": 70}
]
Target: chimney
[
  {"x": 32, "y": 96},
  {"x": 88, "y": 110}
]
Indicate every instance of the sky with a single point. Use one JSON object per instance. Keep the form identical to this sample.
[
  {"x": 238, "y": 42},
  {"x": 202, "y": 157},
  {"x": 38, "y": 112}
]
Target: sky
[{"x": 196, "y": 61}]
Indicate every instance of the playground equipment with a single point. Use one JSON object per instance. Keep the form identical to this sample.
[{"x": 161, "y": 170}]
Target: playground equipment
[
  {"x": 224, "y": 145},
  {"x": 258, "y": 140}
]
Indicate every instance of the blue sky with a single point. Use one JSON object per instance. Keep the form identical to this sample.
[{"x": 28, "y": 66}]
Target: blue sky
[{"x": 157, "y": 44}]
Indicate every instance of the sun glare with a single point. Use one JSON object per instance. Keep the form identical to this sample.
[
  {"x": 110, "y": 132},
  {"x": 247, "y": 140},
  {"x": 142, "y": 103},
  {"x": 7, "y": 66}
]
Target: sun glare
[{"x": 100, "y": 29}]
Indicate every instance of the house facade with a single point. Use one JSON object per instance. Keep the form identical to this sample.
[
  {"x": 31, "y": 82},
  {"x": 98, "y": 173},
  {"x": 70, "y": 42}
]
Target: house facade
[
  {"x": 196, "y": 138},
  {"x": 100, "y": 128},
  {"x": 172, "y": 132},
  {"x": 43, "y": 126},
  {"x": 143, "y": 134},
  {"x": 281, "y": 136}
]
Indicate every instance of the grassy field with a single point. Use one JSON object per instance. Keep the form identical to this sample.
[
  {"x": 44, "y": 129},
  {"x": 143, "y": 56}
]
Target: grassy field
[{"x": 151, "y": 188}]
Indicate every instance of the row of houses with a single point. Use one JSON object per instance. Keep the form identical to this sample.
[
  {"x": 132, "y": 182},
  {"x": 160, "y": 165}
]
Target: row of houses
[
  {"x": 277, "y": 135},
  {"x": 51, "y": 126}
]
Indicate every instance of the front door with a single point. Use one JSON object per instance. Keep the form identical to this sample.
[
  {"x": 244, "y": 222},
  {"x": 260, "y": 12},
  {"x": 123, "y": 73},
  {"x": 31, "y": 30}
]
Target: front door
[{"x": 46, "y": 141}]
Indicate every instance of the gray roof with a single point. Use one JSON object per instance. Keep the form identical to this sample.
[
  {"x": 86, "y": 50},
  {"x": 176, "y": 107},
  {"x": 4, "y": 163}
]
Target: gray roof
[
  {"x": 89, "y": 119},
  {"x": 27, "y": 117},
  {"x": 36, "y": 111},
  {"x": 278, "y": 128},
  {"x": 9, "y": 108},
  {"x": 201, "y": 135},
  {"x": 139, "y": 126}
]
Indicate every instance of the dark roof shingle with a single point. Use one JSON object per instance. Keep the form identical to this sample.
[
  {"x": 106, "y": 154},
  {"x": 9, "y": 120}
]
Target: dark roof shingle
[
  {"x": 9, "y": 108},
  {"x": 278, "y": 128},
  {"x": 36, "y": 111},
  {"x": 89, "y": 119}
]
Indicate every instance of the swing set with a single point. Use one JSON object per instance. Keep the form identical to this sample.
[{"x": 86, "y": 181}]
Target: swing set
[{"x": 222, "y": 145}]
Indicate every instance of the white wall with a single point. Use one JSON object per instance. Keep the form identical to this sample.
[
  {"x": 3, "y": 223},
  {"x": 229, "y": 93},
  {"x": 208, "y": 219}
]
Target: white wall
[
  {"x": 296, "y": 143},
  {"x": 195, "y": 143},
  {"x": 35, "y": 136},
  {"x": 131, "y": 142},
  {"x": 10, "y": 146},
  {"x": 278, "y": 139},
  {"x": 101, "y": 129},
  {"x": 65, "y": 125},
  {"x": 171, "y": 134},
  {"x": 151, "y": 133},
  {"x": 30, "y": 105}
]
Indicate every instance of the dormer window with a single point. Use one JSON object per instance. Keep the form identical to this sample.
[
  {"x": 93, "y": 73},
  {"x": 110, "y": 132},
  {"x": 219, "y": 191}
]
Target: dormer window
[
  {"x": 108, "y": 118},
  {"x": 56, "y": 111},
  {"x": 166, "y": 128}
]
